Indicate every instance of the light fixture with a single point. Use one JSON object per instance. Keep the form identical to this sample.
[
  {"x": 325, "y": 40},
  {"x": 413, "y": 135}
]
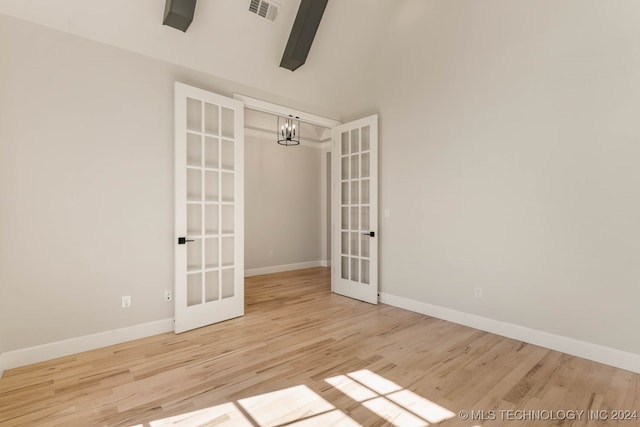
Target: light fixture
[{"x": 289, "y": 130}]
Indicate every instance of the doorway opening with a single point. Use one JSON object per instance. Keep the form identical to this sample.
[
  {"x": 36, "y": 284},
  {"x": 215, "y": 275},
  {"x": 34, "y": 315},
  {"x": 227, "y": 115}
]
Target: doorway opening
[
  {"x": 287, "y": 197},
  {"x": 348, "y": 231}
]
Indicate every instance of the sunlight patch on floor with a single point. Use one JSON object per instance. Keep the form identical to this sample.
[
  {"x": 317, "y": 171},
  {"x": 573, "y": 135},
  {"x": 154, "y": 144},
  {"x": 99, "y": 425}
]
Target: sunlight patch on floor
[
  {"x": 351, "y": 388},
  {"x": 388, "y": 400},
  {"x": 302, "y": 407},
  {"x": 420, "y": 406},
  {"x": 393, "y": 413},
  {"x": 226, "y": 414},
  {"x": 335, "y": 418},
  {"x": 285, "y": 406},
  {"x": 375, "y": 382}
]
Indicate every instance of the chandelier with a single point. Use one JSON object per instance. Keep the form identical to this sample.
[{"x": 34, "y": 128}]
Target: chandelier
[{"x": 289, "y": 130}]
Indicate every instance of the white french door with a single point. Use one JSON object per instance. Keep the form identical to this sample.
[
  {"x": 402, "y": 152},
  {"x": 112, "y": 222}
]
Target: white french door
[
  {"x": 209, "y": 208},
  {"x": 354, "y": 206}
]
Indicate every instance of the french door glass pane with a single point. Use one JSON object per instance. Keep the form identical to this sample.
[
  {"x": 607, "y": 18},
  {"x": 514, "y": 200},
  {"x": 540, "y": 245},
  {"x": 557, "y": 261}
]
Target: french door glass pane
[
  {"x": 212, "y": 286},
  {"x": 227, "y": 219},
  {"x": 364, "y": 138},
  {"x": 345, "y": 193},
  {"x": 227, "y": 123},
  {"x": 355, "y": 199},
  {"x": 194, "y": 185},
  {"x": 355, "y": 140},
  {"x": 194, "y": 115},
  {"x": 345, "y": 218},
  {"x": 211, "y": 219},
  {"x": 211, "y": 152},
  {"x": 194, "y": 255},
  {"x": 365, "y": 192},
  {"x": 211, "y": 186},
  {"x": 227, "y": 283},
  {"x": 345, "y": 167},
  {"x": 227, "y": 251},
  {"x": 194, "y": 289},
  {"x": 364, "y": 245},
  {"x": 364, "y": 215},
  {"x": 227, "y": 155},
  {"x": 355, "y": 166},
  {"x": 227, "y": 186},
  {"x": 344, "y": 143},
  {"x": 366, "y": 165},
  {"x": 354, "y": 269},
  {"x": 354, "y": 243},
  {"x": 194, "y": 150},
  {"x": 211, "y": 120},
  {"x": 345, "y": 243},
  {"x": 211, "y": 255},
  {"x": 354, "y": 218},
  {"x": 194, "y": 220},
  {"x": 364, "y": 277}
]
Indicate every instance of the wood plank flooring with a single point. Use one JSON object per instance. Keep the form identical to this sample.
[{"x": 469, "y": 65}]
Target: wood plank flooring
[{"x": 304, "y": 356}]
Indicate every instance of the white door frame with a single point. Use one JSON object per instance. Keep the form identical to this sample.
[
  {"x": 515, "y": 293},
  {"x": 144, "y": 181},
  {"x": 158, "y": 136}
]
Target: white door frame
[{"x": 280, "y": 110}]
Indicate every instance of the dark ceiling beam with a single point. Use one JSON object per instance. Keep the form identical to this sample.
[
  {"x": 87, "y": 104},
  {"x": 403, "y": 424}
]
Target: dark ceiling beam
[
  {"x": 179, "y": 13},
  {"x": 302, "y": 33}
]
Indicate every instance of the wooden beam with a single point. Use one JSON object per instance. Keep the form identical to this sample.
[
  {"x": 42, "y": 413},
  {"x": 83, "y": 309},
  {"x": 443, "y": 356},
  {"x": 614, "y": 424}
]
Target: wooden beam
[
  {"x": 179, "y": 13},
  {"x": 302, "y": 33}
]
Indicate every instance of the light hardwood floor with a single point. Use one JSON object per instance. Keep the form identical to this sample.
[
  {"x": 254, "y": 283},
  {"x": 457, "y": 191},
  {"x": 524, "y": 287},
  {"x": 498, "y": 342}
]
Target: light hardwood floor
[{"x": 302, "y": 354}]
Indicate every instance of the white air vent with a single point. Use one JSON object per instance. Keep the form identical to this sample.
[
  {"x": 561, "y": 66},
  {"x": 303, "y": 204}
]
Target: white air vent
[{"x": 264, "y": 9}]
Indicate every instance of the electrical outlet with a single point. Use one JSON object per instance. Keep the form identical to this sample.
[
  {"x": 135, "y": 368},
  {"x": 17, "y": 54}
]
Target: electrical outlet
[
  {"x": 126, "y": 302},
  {"x": 477, "y": 292},
  {"x": 167, "y": 296}
]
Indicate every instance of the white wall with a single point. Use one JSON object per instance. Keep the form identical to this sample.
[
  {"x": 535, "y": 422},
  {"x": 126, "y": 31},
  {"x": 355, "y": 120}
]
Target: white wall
[
  {"x": 509, "y": 161},
  {"x": 282, "y": 204},
  {"x": 509, "y": 144},
  {"x": 85, "y": 166},
  {"x": 86, "y": 184}
]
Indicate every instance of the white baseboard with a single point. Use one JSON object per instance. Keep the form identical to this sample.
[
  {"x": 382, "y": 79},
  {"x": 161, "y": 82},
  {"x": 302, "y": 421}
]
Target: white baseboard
[
  {"x": 586, "y": 350},
  {"x": 40, "y": 353},
  {"x": 284, "y": 267},
  {"x": 325, "y": 263}
]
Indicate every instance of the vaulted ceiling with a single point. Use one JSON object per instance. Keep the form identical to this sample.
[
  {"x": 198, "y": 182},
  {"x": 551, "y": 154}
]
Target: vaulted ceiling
[{"x": 228, "y": 41}]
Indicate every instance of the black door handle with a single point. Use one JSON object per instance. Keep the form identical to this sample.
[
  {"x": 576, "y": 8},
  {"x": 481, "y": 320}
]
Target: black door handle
[
  {"x": 183, "y": 240},
  {"x": 370, "y": 233}
]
